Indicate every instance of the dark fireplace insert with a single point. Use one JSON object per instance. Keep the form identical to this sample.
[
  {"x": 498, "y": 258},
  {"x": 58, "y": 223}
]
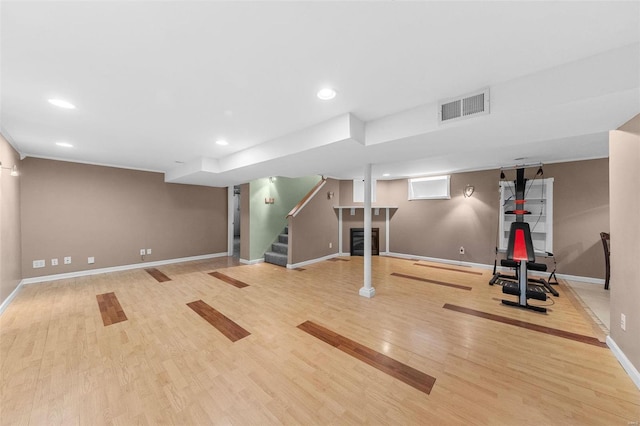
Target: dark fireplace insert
[{"x": 357, "y": 241}]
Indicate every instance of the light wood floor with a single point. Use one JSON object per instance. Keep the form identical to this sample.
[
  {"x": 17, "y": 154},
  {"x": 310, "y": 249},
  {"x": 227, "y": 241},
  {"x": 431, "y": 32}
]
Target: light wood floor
[{"x": 166, "y": 365}]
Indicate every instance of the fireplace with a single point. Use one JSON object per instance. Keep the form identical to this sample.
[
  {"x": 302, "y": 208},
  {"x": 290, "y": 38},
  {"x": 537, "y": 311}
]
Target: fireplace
[{"x": 357, "y": 241}]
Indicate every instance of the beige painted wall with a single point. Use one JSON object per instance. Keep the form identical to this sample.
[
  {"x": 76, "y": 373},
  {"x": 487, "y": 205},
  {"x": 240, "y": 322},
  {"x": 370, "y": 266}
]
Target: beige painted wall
[
  {"x": 315, "y": 226},
  {"x": 580, "y": 213},
  {"x": 10, "y": 232},
  {"x": 438, "y": 228},
  {"x": 79, "y": 210},
  {"x": 624, "y": 154}
]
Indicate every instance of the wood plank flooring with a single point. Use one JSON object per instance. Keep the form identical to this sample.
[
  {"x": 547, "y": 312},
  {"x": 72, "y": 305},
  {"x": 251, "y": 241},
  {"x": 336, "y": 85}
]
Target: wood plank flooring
[
  {"x": 228, "y": 279},
  {"x": 430, "y": 281},
  {"x": 419, "y": 380},
  {"x": 224, "y": 325},
  {"x": 158, "y": 275},
  {"x": 590, "y": 340},
  {"x": 448, "y": 268},
  {"x": 59, "y": 364},
  {"x": 110, "y": 309}
]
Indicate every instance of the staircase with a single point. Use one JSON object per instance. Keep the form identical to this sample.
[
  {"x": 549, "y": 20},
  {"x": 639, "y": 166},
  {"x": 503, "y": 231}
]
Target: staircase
[{"x": 279, "y": 250}]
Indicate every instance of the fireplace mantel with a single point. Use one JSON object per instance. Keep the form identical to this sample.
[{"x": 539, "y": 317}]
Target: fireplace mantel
[{"x": 376, "y": 209}]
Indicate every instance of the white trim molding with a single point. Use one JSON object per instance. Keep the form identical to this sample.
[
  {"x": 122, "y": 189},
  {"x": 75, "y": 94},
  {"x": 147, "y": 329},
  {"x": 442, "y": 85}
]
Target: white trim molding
[
  {"x": 434, "y": 259},
  {"x": 312, "y": 261},
  {"x": 46, "y": 278},
  {"x": 251, "y": 262},
  {"x": 578, "y": 278},
  {"x": 588, "y": 280},
  {"x": 8, "y": 300},
  {"x": 624, "y": 361}
]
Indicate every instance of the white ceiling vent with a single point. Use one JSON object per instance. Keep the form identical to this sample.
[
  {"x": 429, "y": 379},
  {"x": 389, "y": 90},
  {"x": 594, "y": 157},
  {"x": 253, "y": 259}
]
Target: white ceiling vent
[{"x": 467, "y": 106}]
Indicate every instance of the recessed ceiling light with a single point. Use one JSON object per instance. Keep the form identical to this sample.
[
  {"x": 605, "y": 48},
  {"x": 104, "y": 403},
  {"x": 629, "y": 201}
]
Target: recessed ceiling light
[
  {"x": 386, "y": 174},
  {"x": 64, "y": 144},
  {"x": 61, "y": 103},
  {"x": 326, "y": 94},
  {"x": 222, "y": 142}
]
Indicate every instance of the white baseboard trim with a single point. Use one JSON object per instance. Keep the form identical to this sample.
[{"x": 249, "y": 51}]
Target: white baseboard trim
[
  {"x": 46, "y": 278},
  {"x": 309, "y": 262},
  {"x": 251, "y": 262},
  {"x": 588, "y": 280},
  {"x": 434, "y": 259},
  {"x": 578, "y": 278},
  {"x": 8, "y": 300},
  {"x": 624, "y": 361}
]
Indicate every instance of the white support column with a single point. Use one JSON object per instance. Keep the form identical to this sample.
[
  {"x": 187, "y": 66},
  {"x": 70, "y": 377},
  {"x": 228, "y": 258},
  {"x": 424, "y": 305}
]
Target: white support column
[
  {"x": 230, "y": 218},
  {"x": 387, "y": 229},
  {"x": 340, "y": 231},
  {"x": 367, "y": 290}
]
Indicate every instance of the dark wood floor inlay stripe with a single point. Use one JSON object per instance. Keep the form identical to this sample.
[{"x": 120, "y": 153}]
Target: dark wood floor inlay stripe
[
  {"x": 299, "y": 269},
  {"x": 529, "y": 326},
  {"x": 409, "y": 375},
  {"x": 448, "y": 269},
  {"x": 337, "y": 259},
  {"x": 426, "y": 280},
  {"x": 224, "y": 325},
  {"x": 110, "y": 309},
  {"x": 227, "y": 279},
  {"x": 159, "y": 276}
]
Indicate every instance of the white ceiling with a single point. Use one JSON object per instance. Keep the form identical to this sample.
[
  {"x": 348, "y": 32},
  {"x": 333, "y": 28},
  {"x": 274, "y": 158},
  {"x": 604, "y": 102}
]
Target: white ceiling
[{"x": 156, "y": 83}]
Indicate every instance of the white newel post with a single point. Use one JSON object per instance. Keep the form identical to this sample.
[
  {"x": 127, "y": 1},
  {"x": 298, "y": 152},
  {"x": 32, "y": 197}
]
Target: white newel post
[{"x": 367, "y": 290}]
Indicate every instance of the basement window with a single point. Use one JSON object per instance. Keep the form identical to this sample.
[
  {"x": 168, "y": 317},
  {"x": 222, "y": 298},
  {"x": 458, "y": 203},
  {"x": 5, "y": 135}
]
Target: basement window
[{"x": 430, "y": 188}]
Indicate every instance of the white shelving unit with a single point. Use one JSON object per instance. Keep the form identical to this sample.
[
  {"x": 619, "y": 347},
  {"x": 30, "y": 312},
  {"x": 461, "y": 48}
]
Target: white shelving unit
[{"x": 538, "y": 201}]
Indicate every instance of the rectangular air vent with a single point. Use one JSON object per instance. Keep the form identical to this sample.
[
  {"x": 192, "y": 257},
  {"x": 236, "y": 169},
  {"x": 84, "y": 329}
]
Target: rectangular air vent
[{"x": 466, "y": 106}]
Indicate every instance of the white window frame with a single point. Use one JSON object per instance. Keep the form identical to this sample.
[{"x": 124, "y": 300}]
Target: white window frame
[{"x": 432, "y": 189}]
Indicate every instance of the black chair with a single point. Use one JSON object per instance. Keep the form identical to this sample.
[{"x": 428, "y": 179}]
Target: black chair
[{"x": 604, "y": 236}]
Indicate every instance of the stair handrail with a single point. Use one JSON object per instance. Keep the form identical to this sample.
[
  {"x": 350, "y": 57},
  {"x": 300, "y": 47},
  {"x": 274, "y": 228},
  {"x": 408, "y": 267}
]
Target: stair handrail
[{"x": 303, "y": 202}]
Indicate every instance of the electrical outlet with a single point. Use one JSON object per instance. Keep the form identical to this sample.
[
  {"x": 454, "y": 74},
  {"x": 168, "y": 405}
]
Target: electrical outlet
[
  {"x": 143, "y": 252},
  {"x": 67, "y": 260},
  {"x": 38, "y": 263},
  {"x": 623, "y": 322},
  {"x": 330, "y": 245},
  {"x": 461, "y": 250},
  {"x": 148, "y": 251},
  {"x": 91, "y": 260},
  {"x": 54, "y": 262}
]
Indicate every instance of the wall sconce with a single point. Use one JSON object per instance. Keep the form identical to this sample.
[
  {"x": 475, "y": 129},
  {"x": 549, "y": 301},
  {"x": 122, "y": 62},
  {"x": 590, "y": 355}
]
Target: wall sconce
[
  {"x": 468, "y": 191},
  {"x": 329, "y": 195},
  {"x": 14, "y": 169},
  {"x": 272, "y": 179},
  {"x": 269, "y": 200}
]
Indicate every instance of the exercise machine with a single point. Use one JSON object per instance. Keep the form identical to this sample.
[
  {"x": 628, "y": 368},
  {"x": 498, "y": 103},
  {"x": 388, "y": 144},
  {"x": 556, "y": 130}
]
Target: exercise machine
[{"x": 521, "y": 257}]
